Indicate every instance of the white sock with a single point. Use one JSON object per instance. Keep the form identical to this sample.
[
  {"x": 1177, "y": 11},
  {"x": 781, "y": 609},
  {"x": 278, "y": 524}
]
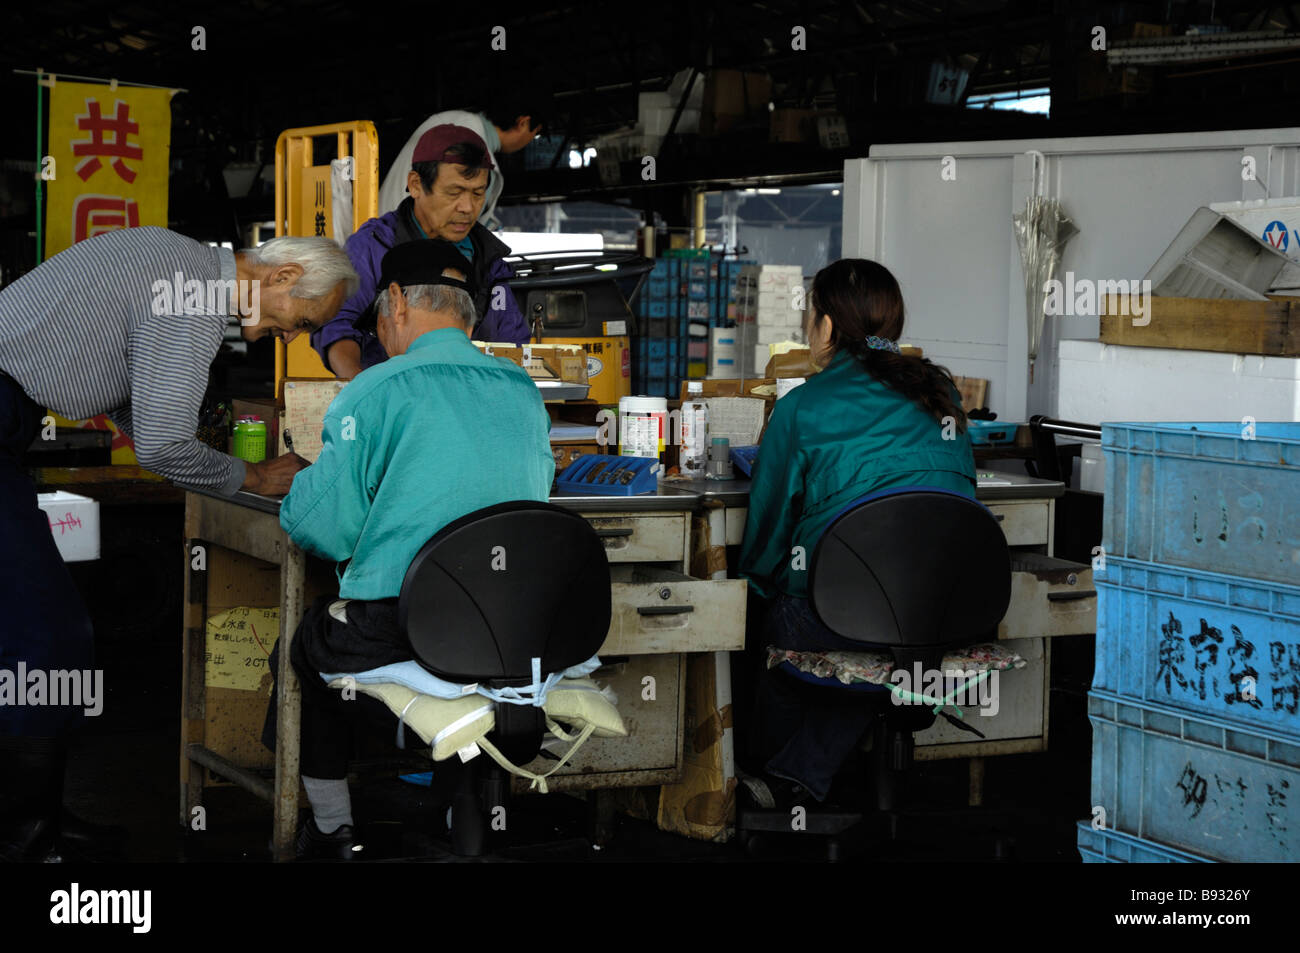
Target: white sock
[{"x": 331, "y": 804}]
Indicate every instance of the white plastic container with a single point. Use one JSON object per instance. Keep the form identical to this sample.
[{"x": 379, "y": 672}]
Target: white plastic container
[
  {"x": 74, "y": 521},
  {"x": 642, "y": 426}
]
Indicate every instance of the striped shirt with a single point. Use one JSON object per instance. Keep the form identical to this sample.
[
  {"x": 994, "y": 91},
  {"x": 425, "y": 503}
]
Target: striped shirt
[{"x": 82, "y": 336}]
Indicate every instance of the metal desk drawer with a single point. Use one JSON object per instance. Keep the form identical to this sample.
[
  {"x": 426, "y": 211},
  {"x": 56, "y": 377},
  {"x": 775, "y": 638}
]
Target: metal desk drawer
[
  {"x": 1020, "y": 723},
  {"x": 658, "y": 610},
  {"x": 642, "y": 537},
  {"x": 652, "y": 751},
  {"x": 1049, "y": 597},
  {"x": 1025, "y": 524}
]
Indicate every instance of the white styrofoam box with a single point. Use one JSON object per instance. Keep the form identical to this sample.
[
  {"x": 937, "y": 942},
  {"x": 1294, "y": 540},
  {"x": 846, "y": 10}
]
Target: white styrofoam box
[
  {"x": 1214, "y": 256},
  {"x": 948, "y": 242},
  {"x": 1275, "y": 221},
  {"x": 1100, "y": 383},
  {"x": 772, "y": 334},
  {"x": 1092, "y": 472},
  {"x": 74, "y": 521}
]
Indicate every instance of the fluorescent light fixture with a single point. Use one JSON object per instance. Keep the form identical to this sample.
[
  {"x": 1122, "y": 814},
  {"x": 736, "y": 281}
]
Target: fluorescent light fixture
[{"x": 768, "y": 191}]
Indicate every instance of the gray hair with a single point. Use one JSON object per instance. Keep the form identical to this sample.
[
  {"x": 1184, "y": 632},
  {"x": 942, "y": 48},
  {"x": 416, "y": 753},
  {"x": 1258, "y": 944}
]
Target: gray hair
[
  {"x": 324, "y": 264},
  {"x": 434, "y": 298}
]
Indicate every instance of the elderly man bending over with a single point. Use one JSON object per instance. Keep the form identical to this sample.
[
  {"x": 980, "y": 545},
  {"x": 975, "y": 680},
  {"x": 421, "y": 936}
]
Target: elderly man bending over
[{"x": 437, "y": 431}]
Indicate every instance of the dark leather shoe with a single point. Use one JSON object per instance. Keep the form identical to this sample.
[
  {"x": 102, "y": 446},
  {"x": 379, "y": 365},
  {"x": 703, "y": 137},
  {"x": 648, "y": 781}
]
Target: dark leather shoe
[
  {"x": 313, "y": 845},
  {"x": 31, "y": 841},
  {"x": 84, "y": 833}
]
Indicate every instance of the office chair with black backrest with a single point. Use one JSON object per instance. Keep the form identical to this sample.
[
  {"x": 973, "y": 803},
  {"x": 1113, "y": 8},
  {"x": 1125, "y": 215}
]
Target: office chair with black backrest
[
  {"x": 490, "y": 595},
  {"x": 915, "y": 571}
]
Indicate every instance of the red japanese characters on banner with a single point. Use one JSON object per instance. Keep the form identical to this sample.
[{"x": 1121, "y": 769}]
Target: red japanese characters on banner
[
  {"x": 92, "y": 214},
  {"x": 111, "y": 157}
]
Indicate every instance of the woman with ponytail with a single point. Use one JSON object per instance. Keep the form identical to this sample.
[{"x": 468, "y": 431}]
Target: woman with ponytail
[{"x": 871, "y": 419}]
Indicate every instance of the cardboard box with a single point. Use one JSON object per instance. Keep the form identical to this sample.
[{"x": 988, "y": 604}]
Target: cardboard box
[
  {"x": 511, "y": 352},
  {"x": 74, "y": 521},
  {"x": 731, "y": 96},
  {"x": 565, "y": 362},
  {"x": 566, "y": 452},
  {"x": 832, "y": 131},
  {"x": 792, "y": 125}
]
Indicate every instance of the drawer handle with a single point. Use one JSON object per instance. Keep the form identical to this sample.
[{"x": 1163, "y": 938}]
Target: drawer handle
[
  {"x": 1071, "y": 596},
  {"x": 607, "y": 533},
  {"x": 663, "y": 610}
]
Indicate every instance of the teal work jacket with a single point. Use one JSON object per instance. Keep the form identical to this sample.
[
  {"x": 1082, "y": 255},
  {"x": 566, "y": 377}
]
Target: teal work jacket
[
  {"x": 840, "y": 435},
  {"x": 411, "y": 445}
]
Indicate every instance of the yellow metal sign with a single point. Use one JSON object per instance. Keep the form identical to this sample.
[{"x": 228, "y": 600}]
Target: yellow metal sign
[{"x": 110, "y": 154}]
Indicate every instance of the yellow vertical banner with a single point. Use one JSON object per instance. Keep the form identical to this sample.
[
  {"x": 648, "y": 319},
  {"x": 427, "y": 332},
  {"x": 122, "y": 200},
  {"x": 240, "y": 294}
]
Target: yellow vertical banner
[{"x": 110, "y": 150}]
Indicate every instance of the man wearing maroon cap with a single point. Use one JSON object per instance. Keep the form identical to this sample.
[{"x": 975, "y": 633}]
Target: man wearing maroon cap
[{"x": 450, "y": 171}]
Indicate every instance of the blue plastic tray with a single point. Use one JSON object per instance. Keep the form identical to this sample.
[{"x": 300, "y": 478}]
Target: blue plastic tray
[
  {"x": 1112, "y": 847},
  {"x": 988, "y": 432},
  {"x": 644, "y": 475},
  {"x": 742, "y": 458}
]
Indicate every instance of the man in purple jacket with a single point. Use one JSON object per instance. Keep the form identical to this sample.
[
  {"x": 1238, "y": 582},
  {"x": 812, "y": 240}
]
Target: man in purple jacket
[{"x": 448, "y": 180}]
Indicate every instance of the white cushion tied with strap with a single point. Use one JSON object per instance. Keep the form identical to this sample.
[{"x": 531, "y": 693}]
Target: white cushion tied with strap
[{"x": 460, "y": 725}]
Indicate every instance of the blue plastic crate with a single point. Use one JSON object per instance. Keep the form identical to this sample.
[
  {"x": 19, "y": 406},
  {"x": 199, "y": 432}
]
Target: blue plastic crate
[
  {"x": 697, "y": 269},
  {"x": 990, "y": 432},
  {"x": 657, "y": 347},
  {"x": 660, "y": 269},
  {"x": 656, "y": 386},
  {"x": 656, "y": 309},
  {"x": 1201, "y": 642},
  {"x": 697, "y": 290},
  {"x": 656, "y": 288},
  {"x": 1194, "y": 784},
  {"x": 656, "y": 367},
  {"x": 1112, "y": 847},
  {"x": 1200, "y": 495}
]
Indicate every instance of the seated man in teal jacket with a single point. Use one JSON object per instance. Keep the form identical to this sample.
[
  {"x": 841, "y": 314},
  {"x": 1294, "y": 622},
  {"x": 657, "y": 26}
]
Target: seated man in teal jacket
[
  {"x": 870, "y": 420},
  {"x": 434, "y": 433}
]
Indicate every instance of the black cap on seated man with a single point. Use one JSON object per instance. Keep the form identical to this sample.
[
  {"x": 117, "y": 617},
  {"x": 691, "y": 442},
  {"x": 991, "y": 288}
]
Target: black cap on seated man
[{"x": 429, "y": 262}]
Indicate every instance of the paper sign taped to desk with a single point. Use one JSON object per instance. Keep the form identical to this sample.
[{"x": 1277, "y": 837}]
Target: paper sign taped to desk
[
  {"x": 305, "y": 403},
  {"x": 238, "y": 650}
]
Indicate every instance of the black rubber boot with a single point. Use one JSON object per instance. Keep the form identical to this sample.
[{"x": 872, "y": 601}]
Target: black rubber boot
[{"x": 31, "y": 799}]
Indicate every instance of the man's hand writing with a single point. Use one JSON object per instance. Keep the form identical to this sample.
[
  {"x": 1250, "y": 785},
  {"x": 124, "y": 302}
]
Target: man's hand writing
[{"x": 273, "y": 477}]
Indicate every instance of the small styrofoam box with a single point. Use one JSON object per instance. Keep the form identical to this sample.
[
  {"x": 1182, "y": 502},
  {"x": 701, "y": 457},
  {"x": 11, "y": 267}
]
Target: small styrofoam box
[
  {"x": 1092, "y": 468},
  {"x": 1106, "y": 382},
  {"x": 74, "y": 521}
]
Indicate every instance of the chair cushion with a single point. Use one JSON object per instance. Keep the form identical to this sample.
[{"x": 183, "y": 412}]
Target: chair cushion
[
  {"x": 450, "y": 724},
  {"x": 580, "y": 702},
  {"x": 855, "y": 668}
]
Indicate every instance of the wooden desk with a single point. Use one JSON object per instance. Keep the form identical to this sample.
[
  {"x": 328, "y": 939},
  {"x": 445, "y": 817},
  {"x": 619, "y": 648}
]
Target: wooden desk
[
  {"x": 1050, "y": 598},
  {"x": 237, "y": 555}
]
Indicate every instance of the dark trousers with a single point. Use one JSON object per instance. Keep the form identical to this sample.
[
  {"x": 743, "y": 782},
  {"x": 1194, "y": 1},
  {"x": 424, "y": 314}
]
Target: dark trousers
[
  {"x": 43, "y": 622},
  {"x": 329, "y": 722},
  {"x": 805, "y": 733}
]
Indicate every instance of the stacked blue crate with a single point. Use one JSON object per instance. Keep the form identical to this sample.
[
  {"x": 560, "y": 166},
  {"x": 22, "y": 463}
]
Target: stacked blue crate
[{"x": 1195, "y": 700}]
